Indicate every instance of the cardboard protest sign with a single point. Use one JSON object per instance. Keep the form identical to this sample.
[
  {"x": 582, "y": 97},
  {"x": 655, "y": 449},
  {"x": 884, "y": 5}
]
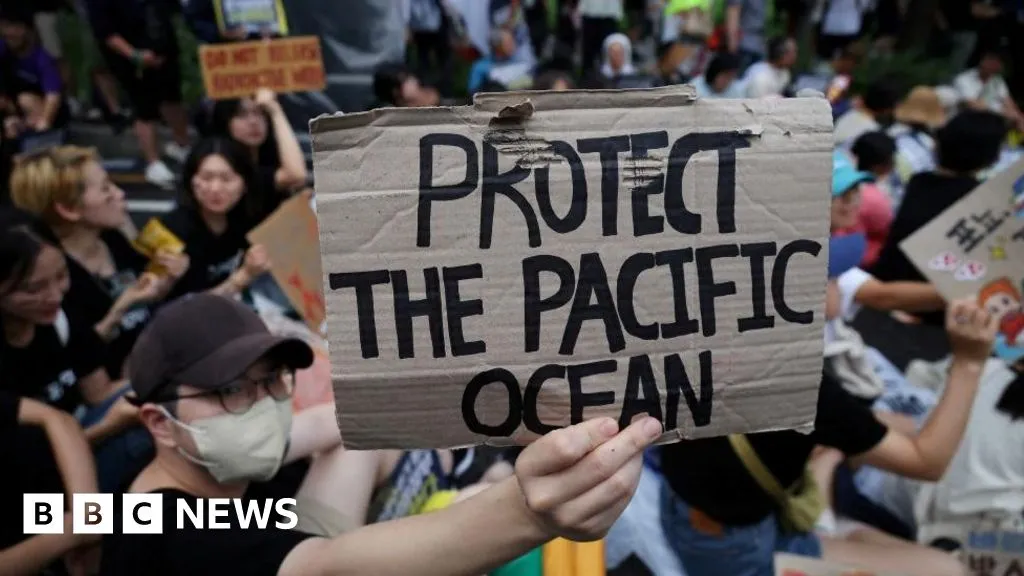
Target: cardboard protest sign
[
  {"x": 239, "y": 69},
  {"x": 976, "y": 247},
  {"x": 497, "y": 271},
  {"x": 254, "y": 16},
  {"x": 293, "y": 245},
  {"x": 793, "y": 565},
  {"x": 994, "y": 553}
]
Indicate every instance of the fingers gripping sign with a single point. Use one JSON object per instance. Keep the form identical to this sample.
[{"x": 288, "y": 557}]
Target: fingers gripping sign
[{"x": 577, "y": 480}]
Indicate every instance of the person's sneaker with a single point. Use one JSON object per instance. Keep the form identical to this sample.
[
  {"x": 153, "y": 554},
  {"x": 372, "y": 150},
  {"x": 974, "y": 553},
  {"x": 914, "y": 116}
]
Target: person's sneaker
[
  {"x": 158, "y": 174},
  {"x": 177, "y": 152}
]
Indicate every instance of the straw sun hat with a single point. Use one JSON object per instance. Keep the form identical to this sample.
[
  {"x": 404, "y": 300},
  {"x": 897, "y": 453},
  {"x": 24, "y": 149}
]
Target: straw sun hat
[{"x": 921, "y": 106}]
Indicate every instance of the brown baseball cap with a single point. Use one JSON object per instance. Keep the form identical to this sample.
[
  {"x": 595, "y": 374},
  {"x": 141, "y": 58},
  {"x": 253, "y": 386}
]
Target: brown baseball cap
[{"x": 205, "y": 341}]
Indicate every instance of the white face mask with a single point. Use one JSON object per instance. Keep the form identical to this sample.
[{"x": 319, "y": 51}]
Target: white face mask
[{"x": 242, "y": 447}]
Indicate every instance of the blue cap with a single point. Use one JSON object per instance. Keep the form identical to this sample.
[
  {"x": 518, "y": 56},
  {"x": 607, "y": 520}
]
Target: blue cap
[
  {"x": 845, "y": 175},
  {"x": 845, "y": 252}
]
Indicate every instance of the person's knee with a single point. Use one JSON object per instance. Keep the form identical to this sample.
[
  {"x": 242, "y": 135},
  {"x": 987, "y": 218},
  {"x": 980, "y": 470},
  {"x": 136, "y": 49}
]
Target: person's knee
[{"x": 30, "y": 104}]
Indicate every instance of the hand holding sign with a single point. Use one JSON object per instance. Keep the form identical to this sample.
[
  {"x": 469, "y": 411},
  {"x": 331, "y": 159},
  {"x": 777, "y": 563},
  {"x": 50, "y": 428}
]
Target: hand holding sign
[
  {"x": 972, "y": 330},
  {"x": 256, "y": 261},
  {"x": 175, "y": 264},
  {"x": 578, "y": 480}
]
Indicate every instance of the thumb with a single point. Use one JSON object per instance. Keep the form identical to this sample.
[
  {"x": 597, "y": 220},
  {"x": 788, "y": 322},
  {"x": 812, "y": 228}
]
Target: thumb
[{"x": 563, "y": 448}]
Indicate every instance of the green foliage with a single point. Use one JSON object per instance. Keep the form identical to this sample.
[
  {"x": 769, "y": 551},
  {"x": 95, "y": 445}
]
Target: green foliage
[{"x": 910, "y": 68}]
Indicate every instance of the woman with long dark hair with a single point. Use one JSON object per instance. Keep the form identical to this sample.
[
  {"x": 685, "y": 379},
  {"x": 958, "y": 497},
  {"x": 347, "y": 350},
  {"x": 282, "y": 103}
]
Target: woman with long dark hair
[
  {"x": 260, "y": 125},
  {"x": 47, "y": 357},
  {"x": 216, "y": 211}
]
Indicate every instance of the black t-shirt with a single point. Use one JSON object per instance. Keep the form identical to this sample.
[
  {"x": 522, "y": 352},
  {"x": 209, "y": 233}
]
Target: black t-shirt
[
  {"x": 212, "y": 258},
  {"x": 270, "y": 197},
  {"x": 91, "y": 297},
  {"x": 957, "y": 14},
  {"x": 193, "y": 552},
  {"x": 926, "y": 196},
  {"x": 709, "y": 476},
  {"x": 145, "y": 24},
  {"x": 48, "y": 369},
  {"x": 26, "y": 452}
]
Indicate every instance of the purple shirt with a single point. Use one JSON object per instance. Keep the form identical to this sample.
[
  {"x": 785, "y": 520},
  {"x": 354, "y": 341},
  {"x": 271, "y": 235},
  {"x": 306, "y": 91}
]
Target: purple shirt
[{"x": 36, "y": 72}]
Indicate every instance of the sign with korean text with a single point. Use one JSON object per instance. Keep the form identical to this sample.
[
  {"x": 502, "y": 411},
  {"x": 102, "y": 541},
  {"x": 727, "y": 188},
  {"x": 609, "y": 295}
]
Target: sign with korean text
[
  {"x": 992, "y": 553},
  {"x": 239, "y": 69},
  {"x": 976, "y": 248},
  {"x": 496, "y": 271},
  {"x": 293, "y": 246}
]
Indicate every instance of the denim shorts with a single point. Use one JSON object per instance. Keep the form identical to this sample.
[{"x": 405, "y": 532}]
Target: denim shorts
[{"x": 736, "y": 551}]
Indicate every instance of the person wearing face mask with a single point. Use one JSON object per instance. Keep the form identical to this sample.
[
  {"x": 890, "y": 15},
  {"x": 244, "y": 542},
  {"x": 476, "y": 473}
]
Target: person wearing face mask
[
  {"x": 216, "y": 212},
  {"x": 70, "y": 191},
  {"x": 46, "y": 357},
  {"x": 259, "y": 124},
  {"x": 214, "y": 386}
]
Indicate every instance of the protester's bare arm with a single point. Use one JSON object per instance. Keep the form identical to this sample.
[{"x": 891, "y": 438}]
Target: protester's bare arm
[
  {"x": 121, "y": 416},
  {"x": 908, "y": 296},
  {"x": 572, "y": 482},
  {"x": 926, "y": 455},
  {"x": 314, "y": 430},
  {"x": 97, "y": 386},
  {"x": 292, "y": 172},
  {"x": 118, "y": 44},
  {"x": 51, "y": 106},
  {"x": 70, "y": 447},
  {"x": 33, "y": 555},
  {"x": 732, "y": 27},
  {"x": 897, "y": 422}
]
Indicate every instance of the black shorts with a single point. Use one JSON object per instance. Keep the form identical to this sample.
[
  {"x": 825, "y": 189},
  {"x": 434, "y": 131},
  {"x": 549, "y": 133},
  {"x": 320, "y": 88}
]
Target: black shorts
[{"x": 148, "y": 91}]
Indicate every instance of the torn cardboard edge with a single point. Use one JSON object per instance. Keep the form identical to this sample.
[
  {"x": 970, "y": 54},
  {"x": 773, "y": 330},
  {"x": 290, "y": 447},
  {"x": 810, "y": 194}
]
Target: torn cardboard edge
[
  {"x": 509, "y": 104},
  {"x": 370, "y": 222}
]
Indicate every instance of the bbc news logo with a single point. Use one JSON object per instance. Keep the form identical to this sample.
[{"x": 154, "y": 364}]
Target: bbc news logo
[{"x": 144, "y": 514}]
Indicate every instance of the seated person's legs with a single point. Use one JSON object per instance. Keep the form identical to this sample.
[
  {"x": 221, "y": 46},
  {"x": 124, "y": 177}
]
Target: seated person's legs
[{"x": 868, "y": 548}]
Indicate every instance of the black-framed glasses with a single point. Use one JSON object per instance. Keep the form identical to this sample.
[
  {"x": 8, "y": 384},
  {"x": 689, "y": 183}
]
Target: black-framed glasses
[{"x": 238, "y": 396}]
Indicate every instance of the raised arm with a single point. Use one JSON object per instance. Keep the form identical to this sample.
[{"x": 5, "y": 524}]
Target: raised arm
[
  {"x": 292, "y": 172},
  {"x": 926, "y": 455},
  {"x": 573, "y": 482},
  {"x": 74, "y": 461}
]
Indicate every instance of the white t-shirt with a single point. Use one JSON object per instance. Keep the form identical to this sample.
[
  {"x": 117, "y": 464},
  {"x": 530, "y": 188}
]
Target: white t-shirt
[
  {"x": 986, "y": 476},
  {"x": 601, "y": 9},
  {"x": 852, "y": 125},
  {"x": 763, "y": 79},
  {"x": 993, "y": 92},
  {"x": 987, "y": 472}
]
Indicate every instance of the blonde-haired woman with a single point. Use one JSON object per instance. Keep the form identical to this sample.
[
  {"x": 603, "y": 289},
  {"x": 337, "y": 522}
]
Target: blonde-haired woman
[{"x": 70, "y": 191}]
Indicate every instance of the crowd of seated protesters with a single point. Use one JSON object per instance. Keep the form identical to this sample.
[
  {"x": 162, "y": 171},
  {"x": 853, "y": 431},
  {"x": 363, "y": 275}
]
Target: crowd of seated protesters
[{"x": 106, "y": 384}]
